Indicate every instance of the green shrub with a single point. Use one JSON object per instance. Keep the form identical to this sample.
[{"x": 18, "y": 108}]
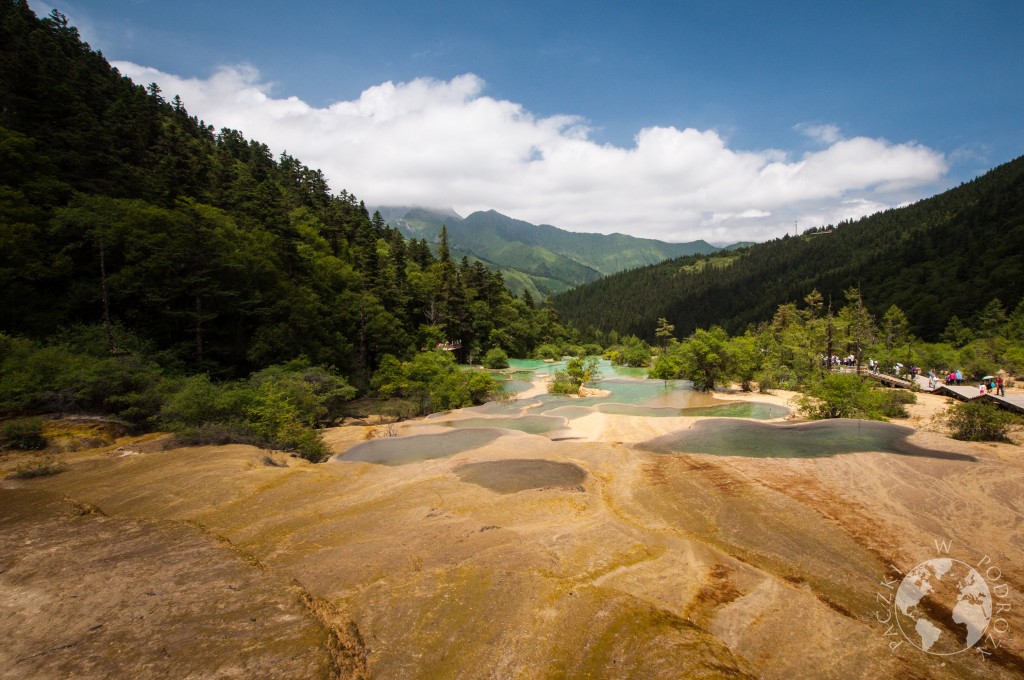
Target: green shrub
[
  {"x": 278, "y": 407},
  {"x": 577, "y": 373},
  {"x": 432, "y": 381},
  {"x": 399, "y": 409},
  {"x": 561, "y": 384},
  {"x": 38, "y": 468},
  {"x": 24, "y": 434},
  {"x": 548, "y": 351},
  {"x": 481, "y": 386},
  {"x": 583, "y": 371},
  {"x": 979, "y": 421},
  {"x": 303, "y": 440},
  {"x": 893, "y": 403},
  {"x": 40, "y": 378},
  {"x": 665, "y": 368},
  {"x": 841, "y": 395},
  {"x": 495, "y": 359},
  {"x": 449, "y": 392},
  {"x": 217, "y": 434},
  {"x": 767, "y": 380},
  {"x": 636, "y": 357},
  {"x": 317, "y": 392},
  {"x": 197, "y": 400}
]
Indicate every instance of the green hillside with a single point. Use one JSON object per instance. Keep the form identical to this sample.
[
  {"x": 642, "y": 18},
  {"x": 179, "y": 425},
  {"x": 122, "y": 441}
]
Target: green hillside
[
  {"x": 131, "y": 228},
  {"x": 540, "y": 258},
  {"x": 942, "y": 257}
]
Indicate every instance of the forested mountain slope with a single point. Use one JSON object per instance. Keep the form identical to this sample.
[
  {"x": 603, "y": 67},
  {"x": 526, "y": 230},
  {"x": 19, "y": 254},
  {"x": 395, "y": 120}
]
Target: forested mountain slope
[
  {"x": 123, "y": 216},
  {"x": 540, "y": 258},
  {"x": 945, "y": 256}
]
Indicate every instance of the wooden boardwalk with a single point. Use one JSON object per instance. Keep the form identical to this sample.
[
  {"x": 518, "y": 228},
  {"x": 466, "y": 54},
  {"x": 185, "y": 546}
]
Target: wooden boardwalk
[
  {"x": 890, "y": 380},
  {"x": 1012, "y": 402},
  {"x": 893, "y": 381},
  {"x": 958, "y": 392}
]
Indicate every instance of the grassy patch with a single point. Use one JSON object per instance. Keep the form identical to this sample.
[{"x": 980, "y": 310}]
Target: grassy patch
[
  {"x": 23, "y": 434},
  {"x": 37, "y": 468}
]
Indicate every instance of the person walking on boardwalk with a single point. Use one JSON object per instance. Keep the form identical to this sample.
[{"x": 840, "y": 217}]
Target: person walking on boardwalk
[
  {"x": 999, "y": 387},
  {"x": 959, "y": 377}
]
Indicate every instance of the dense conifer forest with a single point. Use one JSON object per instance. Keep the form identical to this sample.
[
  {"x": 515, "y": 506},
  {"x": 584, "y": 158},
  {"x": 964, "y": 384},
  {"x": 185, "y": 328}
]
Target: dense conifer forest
[
  {"x": 122, "y": 209},
  {"x": 143, "y": 238},
  {"x": 942, "y": 258}
]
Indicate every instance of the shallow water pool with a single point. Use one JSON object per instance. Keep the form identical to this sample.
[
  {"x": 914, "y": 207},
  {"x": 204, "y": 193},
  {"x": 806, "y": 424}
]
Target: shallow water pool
[
  {"x": 738, "y": 409},
  {"x": 415, "y": 448},
  {"x": 529, "y": 424},
  {"x": 511, "y": 476},
  {"x": 514, "y": 386},
  {"x": 497, "y": 407},
  {"x": 728, "y": 437},
  {"x": 650, "y": 393}
]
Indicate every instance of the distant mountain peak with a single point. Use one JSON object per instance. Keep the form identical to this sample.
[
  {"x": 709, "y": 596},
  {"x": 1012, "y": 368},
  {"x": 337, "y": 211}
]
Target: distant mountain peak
[
  {"x": 393, "y": 213},
  {"x": 540, "y": 258}
]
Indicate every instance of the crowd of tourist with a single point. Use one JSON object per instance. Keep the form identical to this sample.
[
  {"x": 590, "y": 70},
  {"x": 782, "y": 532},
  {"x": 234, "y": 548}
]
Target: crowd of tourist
[{"x": 990, "y": 384}]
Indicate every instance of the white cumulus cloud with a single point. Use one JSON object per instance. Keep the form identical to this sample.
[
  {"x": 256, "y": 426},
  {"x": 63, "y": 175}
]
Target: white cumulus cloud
[
  {"x": 824, "y": 134},
  {"x": 446, "y": 143}
]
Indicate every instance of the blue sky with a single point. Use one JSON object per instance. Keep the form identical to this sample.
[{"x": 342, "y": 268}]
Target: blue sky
[{"x": 676, "y": 120}]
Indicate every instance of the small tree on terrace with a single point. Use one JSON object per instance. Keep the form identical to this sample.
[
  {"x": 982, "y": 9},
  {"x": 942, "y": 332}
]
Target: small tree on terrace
[
  {"x": 895, "y": 327},
  {"x": 664, "y": 332},
  {"x": 858, "y": 323},
  {"x": 704, "y": 358}
]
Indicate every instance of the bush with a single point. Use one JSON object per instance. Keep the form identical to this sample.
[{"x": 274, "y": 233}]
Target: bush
[
  {"x": 318, "y": 393},
  {"x": 548, "y": 351},
  {"x": 432, "y": 381},
  {"x": 561, "y": 384},
  {"x": 449, "y": 392},
  {"x": 481, "y": 386},
  {"x": 217, "y": 434},
  {"x": 197, "y": 401},
  {"x": 303, "y": 440},
  {"x": 979, "y": 421},
  {"x": 495, "y": 359},
  {"x": 576, "y": 374},
  {"x": 399, "y": 409},
  {"x": 636, "y": 356},
  {"x": 841, "y": 395},
  {"x": 893, "y": 403},
  {"x": 665, "y": 368},
  {"x": 39, "y": 378},
  {"x": 278, "y": 407},
  {"x": 767, "y": 380},
  {"x": 24, "y": 434},
  {"x": 40, "y": 468}
]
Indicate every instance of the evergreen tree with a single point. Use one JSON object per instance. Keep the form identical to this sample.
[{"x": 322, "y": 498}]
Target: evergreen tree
[
  {"x": 894, "y": 327},
  {"x": 991, "y": 319},
  {"x": 664, "y": 332}
]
